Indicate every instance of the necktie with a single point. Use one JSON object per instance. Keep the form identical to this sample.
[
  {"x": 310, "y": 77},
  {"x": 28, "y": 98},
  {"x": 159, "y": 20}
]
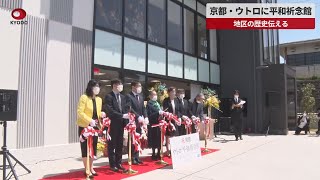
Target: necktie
[
  {"x": 119, "y": 101},
  {"x": 137, "y": 97}
]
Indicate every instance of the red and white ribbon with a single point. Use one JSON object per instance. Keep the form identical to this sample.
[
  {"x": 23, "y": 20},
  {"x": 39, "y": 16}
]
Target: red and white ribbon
[
  {"x": 196, "y": 123},
  {"x": 163, "y": 127},
  {"x": 187, "y": 123},
  {"x": 88, "y": 133},
  {"x": 131, "y": 128}
]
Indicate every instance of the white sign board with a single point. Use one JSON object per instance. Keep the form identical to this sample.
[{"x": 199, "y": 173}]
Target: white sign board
[{"x": 185, "y": 149}]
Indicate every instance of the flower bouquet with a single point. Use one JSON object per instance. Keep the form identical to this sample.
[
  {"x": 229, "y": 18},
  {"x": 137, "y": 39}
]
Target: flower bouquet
[
  {"x": 211, "y": 100},
  {"x": 161, "y": 90},
  {"x": 102, "y": 148}
]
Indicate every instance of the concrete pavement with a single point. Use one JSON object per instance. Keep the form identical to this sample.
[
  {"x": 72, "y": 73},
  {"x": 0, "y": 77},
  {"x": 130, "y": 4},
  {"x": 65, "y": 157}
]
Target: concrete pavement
[{"x": 256, "y": 157}]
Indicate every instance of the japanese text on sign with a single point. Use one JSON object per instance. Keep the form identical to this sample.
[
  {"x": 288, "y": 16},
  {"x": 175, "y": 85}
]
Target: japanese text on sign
[
  {"x": 260, "y": 16},
  {"x": 185, "y": 149}
]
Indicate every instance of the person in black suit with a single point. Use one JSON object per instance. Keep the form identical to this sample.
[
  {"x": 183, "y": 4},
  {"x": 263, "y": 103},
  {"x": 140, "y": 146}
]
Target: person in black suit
[
  {"x": 135, "y": 104},
  {"x": 236, "y": 115},
  {"x": 115, "y": 110},
  {"x": 184, "y": 109},
  {"x": 171, "y": 105},
  {"x": 196, "y": 110},
  {"x": 154, "y": 111}
]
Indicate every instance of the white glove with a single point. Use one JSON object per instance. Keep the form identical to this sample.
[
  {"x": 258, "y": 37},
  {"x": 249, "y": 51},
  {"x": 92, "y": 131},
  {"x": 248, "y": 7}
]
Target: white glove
[
  {"x": 86, "y": 134},
  {"x": 184, "y": 117},
  {"x": 193, "y": 117},
  {"x": 125, "y": 116},
  {"x": 103, "y": 115},
  {"x": 146, "y": 120},
  {"x": 140, "y": 119},
  {"x": 81, "y": 139},
  {"x": 179, "y": 123},
  {"x": 161, "y": 112},
  {"x": 93, "y": 123}
]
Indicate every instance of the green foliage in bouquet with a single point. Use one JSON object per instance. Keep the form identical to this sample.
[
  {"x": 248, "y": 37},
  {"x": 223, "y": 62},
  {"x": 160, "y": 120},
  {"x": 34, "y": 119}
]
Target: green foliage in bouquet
[
  {"x": 161, "y": 90},
  {"x": 211, "y": 98}
]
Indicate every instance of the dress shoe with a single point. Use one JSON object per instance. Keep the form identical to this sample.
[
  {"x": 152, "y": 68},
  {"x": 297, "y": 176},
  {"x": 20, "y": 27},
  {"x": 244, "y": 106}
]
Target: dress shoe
[
  {"x": 237, "y": 139},
  {"x": 121, "y": 167},
  {"x": 134, "y": 162},
  {"x": 94, "y": 174},
  {"x": 241, "y": 138},
  {"x": 154, "y": 157},
  {"x": 114, "y": 169},
  {"x": 139, "y": 161},
  {"x": 90, "y": 176},
  {"x": 158, "y": 156}
]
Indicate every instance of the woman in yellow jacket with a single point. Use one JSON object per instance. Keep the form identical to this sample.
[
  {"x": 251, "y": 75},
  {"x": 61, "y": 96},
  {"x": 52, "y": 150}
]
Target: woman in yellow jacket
[{"x": 89, "y": 111}]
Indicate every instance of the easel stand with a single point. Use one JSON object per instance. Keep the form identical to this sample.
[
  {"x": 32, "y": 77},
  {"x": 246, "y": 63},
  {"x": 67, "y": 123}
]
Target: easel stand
[{"x": 6, "y": 157}]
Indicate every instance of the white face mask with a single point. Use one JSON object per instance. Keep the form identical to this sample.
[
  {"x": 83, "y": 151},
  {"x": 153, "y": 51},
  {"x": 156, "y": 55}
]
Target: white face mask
[
  {"x": 304, "y": 114},
  {"x": 120, "y": 88},
  {"x": 96, "y": 90},
  {"x": 154, "y": 98},
  {"x": 198, "y": 101},
  {"x": 181, "y": 96},
  {"x": 139, "y": 90},
  {"x": 236, "y": 96}
]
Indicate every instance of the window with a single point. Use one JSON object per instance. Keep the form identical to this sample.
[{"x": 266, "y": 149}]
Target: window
[
  {"x": 190, "y": 68},
  {"x": 191, "y": 3},
  {"x": 132, "y": 76},
  {"x": 214, "y": 73},
  {"x": 174, "y": 25},
  {"x": 135, "y": 18},
  {"x": 266, "y": 54},
  {"x": 156, "y": 60},
  {"x": 175, "y": 63},
  {"x": 107, "y": 49},
  {"x": 312, "y": 58},
  {"x": 104, "y": 76},
  {"x": 134, "y": 55},
  {"x": 271, "y": 45},
  {"x": 203, "y": 70},
  {"x": 296, "y": 59},
  {"x": 213, "y": 45},
  {"x": 276, "y": 45},
  {"x": 201, "y": 8},
  {"x": 202, "y": 38},
  {"x": 157, "y": 21},
  {"x": 109, "y": 14},
  {"x": 189, "y": 38}
]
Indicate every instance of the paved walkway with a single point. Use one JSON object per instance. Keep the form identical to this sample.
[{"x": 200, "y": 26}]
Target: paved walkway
[{"x": 254, "y": 158}]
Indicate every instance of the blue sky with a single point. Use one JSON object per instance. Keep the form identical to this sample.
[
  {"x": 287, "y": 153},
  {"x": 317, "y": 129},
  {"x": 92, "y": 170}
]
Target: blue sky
[{"x": 300, "y": 35}]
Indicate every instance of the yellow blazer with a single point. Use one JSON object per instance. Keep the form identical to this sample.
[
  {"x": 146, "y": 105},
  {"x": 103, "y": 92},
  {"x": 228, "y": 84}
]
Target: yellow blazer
[{"x": 85, "y": 110}]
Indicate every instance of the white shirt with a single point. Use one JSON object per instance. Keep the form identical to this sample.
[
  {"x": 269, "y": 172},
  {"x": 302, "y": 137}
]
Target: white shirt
[
  {"x": 173, "y": 106},
  {"x": 303, "y": 122},
  {"x": 136, "y": 95}
]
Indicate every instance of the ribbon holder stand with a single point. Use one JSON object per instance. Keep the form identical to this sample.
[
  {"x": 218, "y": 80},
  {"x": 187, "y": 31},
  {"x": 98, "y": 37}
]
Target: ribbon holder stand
[
  {"x": 206, "y": 150},
  {"x": 161, "y": 161},
  {"x": 130, "y": 170}
]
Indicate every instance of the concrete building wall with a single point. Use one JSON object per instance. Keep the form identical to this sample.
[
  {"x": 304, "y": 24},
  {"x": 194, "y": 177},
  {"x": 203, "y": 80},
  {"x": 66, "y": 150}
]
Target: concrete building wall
[{"x": 40, "y": 61}]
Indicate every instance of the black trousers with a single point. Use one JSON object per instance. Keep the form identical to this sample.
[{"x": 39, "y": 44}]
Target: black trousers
[
  {"x": 134, "y": 153},
  {"x": 237, "y": 124},
  {"x": 115, "y": 146},
  {"x": 182, "y": 130},
  {"x": 83, "y": 145}
]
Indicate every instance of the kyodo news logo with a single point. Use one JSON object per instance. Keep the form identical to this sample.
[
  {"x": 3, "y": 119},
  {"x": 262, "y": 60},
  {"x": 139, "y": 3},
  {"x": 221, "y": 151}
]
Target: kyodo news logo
[{"x": 19, "y": 15}]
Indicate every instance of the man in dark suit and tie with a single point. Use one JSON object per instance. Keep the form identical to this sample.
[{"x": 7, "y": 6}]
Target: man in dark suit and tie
[
  {"x": 196, "y": 109},
  {"x": 135, "y": 103},
  {"x": 236, "y": 115},
  {"x": 115, "y": 110},
  {"x": 184, "y": 109}
]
